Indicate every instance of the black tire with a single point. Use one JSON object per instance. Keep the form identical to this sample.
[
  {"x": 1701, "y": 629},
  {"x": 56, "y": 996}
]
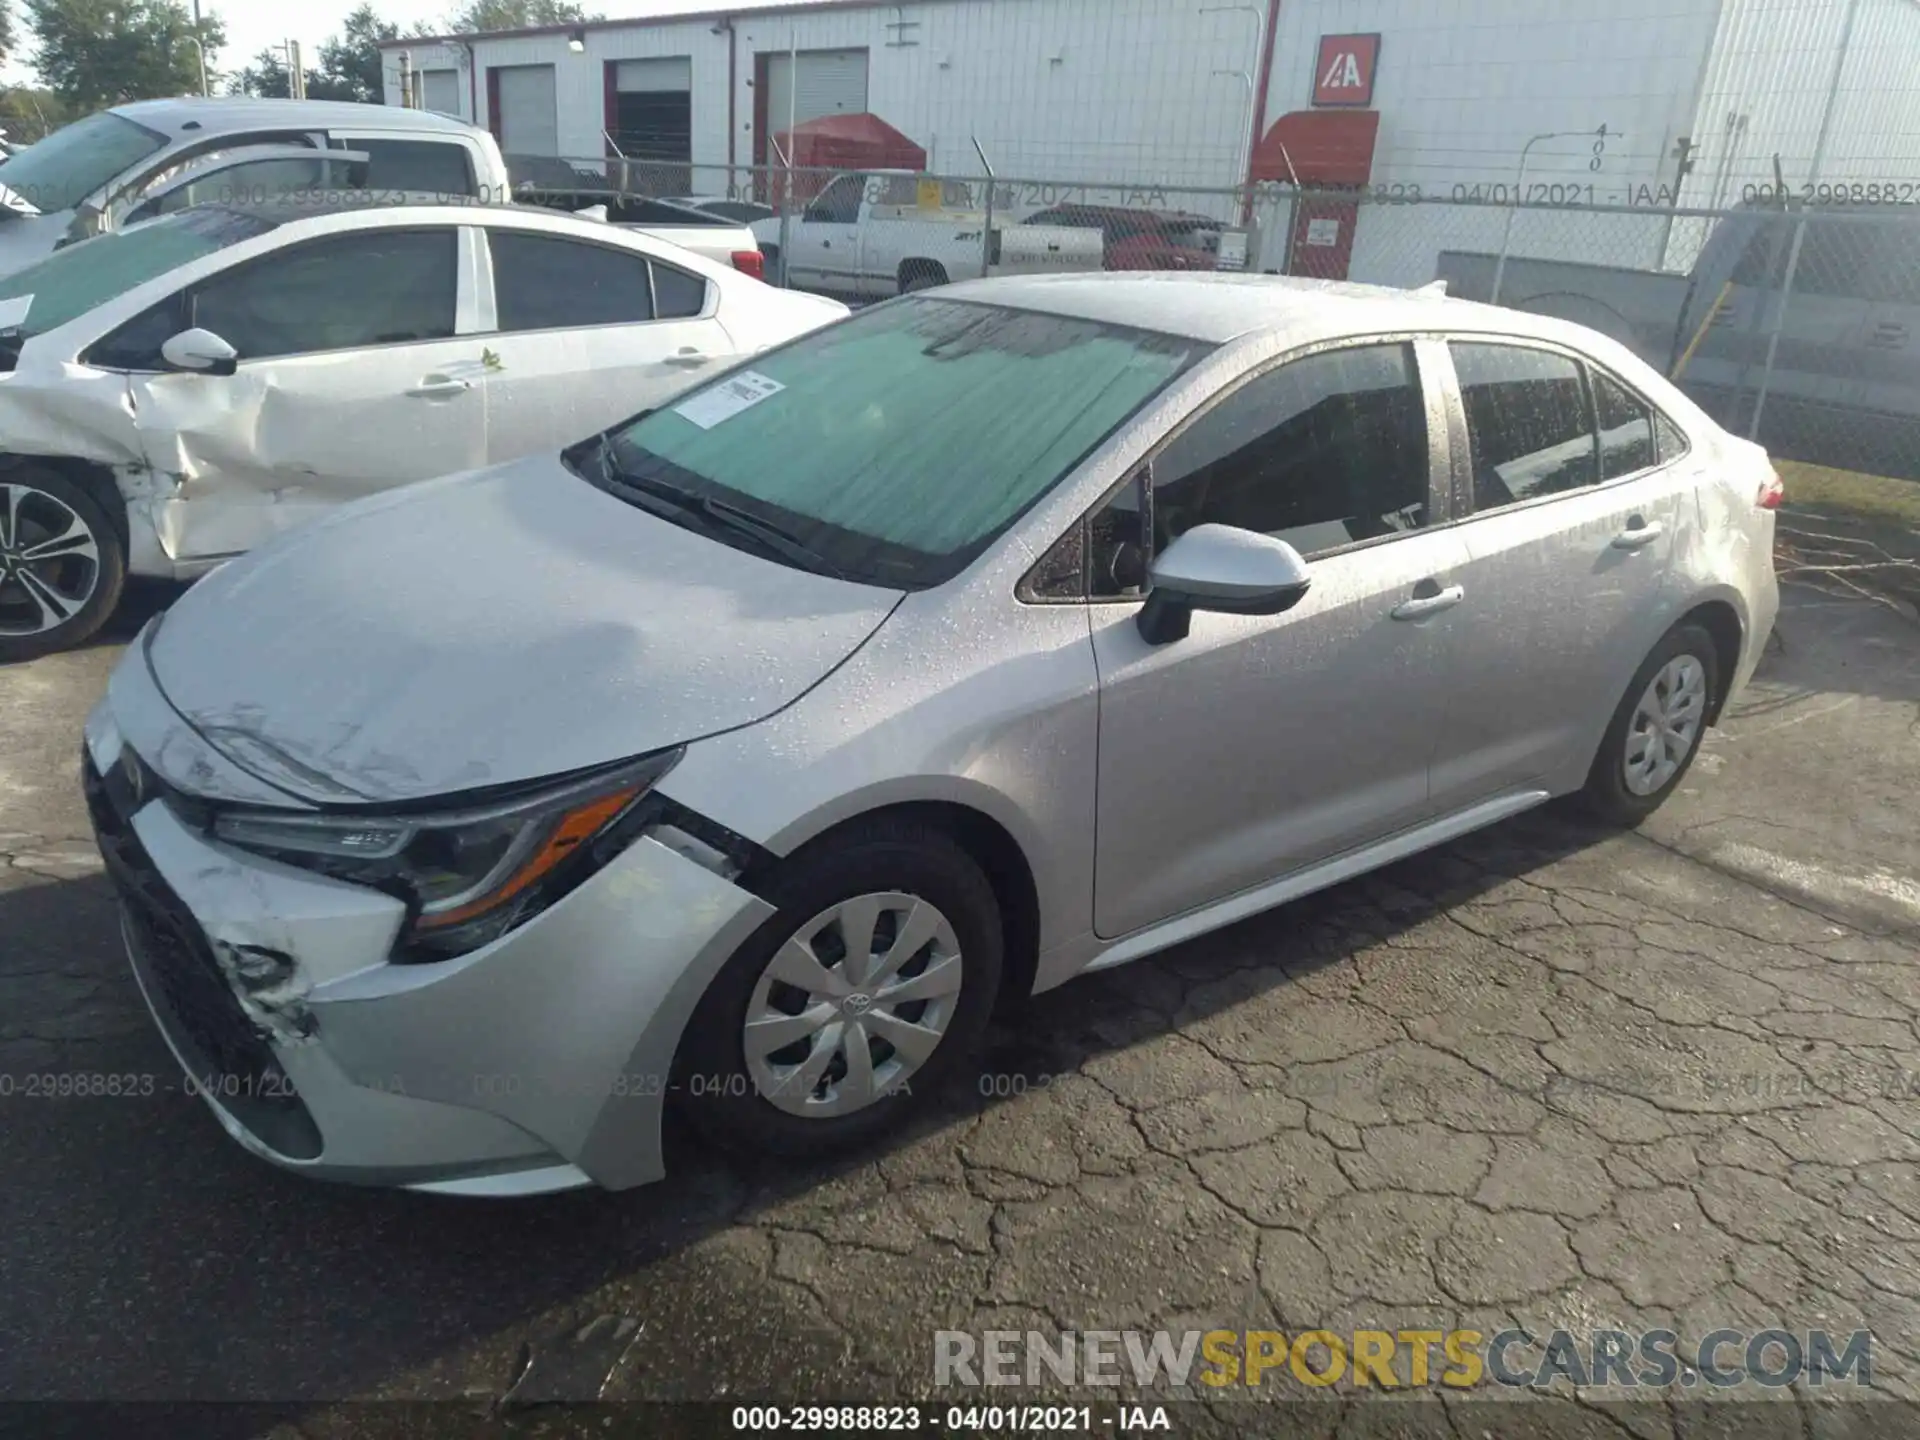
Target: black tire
[
  {"x": 716, "y": 1090},
  {"x": 921, "y": 275},
  {"x": 1607, "y": 795},
  {"x": 107, "y": 577}
]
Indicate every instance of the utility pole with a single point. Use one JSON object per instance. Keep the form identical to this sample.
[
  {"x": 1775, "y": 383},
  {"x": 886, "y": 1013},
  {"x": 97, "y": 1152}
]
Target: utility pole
[{"x": 200, "y": 48}]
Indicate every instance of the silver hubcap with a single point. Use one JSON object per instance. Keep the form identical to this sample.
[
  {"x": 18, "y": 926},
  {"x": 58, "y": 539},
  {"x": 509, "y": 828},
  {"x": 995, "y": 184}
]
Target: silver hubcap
[
  {"x": 1665, "y": 724},
  {"x": 852, "y": 1005},
  {"x": 49, "y": 561}
]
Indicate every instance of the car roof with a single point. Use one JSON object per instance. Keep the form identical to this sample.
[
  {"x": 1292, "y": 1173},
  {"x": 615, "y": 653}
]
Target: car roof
[
  {"x": 406, "y": 208},
  {"x": 1223, "y": 306},
  {"x": 218, "y": 114}
]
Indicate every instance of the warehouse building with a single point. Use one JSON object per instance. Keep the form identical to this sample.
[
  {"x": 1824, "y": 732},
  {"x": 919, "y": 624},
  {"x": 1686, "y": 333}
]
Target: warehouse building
[{"x": 1625, "y": 102}]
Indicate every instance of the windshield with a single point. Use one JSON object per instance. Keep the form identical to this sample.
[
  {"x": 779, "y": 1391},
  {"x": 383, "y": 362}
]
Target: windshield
[
  {"x": 72, "y": 281},
  {"x": 57, "y": 173},
  {"x": 896, "y": 445}
]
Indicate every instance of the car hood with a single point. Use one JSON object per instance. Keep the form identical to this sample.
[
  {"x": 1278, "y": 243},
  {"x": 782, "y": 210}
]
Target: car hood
[
  {"x": 487, "y": 629},
  {"x": 27, "y": 236}
]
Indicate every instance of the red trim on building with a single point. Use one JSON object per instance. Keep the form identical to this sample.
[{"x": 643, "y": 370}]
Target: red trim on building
[
  {"x": 733, "y": 90},
  {"x": 493, "y": 102},
  {"x": 609, "y": 103},
  {"x": 1265, "y": 83}
]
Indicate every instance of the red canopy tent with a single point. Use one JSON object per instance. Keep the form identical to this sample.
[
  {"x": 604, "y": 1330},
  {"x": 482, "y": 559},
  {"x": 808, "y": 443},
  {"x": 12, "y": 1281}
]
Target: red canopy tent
[
  {"x": 843, "y": 142},
  {"x": 850, "y": 142}
]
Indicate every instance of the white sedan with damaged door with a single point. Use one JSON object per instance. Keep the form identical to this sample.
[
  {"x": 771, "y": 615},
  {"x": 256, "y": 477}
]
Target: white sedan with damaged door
[{"x": 178, "y": 392}]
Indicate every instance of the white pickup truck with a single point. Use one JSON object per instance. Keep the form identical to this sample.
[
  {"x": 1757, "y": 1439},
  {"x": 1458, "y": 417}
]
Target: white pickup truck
[{"x": 875, "y": 233}]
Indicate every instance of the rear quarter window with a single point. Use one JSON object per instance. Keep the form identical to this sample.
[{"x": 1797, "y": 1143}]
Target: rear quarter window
[{"x": 434, "y": 167}]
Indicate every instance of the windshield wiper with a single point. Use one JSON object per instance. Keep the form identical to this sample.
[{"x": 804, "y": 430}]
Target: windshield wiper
[
  {"x": 783, "y": 542},
  {"x": 717, "y": 514}
]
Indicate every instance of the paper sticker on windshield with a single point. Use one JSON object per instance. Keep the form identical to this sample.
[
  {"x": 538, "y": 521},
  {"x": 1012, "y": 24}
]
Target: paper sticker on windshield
[
  {"x": 14, "y": 312},
  {"x": 723, "y": 402}
]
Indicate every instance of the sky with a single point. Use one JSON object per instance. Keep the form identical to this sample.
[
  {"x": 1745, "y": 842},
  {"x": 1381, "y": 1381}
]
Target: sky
[{"x": 254, "y": 25}]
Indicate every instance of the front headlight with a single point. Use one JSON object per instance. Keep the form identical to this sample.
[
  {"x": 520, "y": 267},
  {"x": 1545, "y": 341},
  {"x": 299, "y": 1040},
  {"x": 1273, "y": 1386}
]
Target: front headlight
[{"x": 468, "y": 875}]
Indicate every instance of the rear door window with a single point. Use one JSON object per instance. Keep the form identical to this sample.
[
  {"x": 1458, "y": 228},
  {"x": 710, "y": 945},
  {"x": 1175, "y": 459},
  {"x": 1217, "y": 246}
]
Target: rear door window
[
  {"x": 429, "y": 167},
  {"x": 543, "y": 282},
  {"x": 1529, "y": 425}
]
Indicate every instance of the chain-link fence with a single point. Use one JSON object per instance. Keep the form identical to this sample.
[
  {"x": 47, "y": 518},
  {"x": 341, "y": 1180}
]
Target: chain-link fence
[{"x": 1794, "y": 323}]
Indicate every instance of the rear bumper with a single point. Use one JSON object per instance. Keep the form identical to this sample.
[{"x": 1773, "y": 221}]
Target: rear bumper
[
  {"x": 1763, "y": 610},
  {"x": 540, "y": 1062}
]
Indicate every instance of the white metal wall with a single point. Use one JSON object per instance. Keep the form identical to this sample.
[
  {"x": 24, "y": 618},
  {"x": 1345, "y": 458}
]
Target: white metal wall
[
  {"x": 580, "y": 80},
  {"x": 1146, "y": 92},
  {"x": 1776, "y": 63},
  {"x": 1461, "y": 89},
  {"x": 1118, "y": 90}
]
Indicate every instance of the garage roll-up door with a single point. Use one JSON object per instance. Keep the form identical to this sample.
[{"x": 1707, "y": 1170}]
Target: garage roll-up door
[
  {"x": 440, "y": 91},
  {"x": 832, "y": 82},
  {"x": 667, "y": 73},
  {"x": 526, "y": 120}
]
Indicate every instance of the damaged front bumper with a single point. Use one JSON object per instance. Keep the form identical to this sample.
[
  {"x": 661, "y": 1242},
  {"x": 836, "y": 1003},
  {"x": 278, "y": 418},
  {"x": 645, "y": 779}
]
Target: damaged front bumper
[{"x": 539, "y": 1062}]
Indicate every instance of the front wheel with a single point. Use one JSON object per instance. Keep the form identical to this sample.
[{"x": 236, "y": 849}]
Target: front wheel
[
  {"x": 1657, "y": 728},
  {"x": 62, "y": 565},
  {"x": 843, "y": 1015}
]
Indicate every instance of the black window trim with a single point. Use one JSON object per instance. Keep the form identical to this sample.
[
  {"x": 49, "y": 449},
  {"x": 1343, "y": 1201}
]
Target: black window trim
[
  {"x": 178, "y": 300},
  {"x": 191, "y": 292},
  {"x": 1440, "y": 462},
  {"x": 709, "y": 305},
  {"x": 1654, "y": 416}
]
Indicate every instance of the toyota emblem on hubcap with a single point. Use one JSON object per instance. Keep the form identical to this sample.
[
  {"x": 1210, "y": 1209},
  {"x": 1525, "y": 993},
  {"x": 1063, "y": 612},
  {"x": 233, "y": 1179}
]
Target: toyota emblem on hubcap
[{"x": 857, "y": 1004}]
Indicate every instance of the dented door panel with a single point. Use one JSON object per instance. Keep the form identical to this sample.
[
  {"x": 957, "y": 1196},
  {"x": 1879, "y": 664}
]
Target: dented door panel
[{"x": 237, "y": 459}]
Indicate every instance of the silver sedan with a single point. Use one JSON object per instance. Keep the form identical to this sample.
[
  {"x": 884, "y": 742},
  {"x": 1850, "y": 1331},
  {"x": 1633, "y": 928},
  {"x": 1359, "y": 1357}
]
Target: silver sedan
[{"x": 744, "y": 757}]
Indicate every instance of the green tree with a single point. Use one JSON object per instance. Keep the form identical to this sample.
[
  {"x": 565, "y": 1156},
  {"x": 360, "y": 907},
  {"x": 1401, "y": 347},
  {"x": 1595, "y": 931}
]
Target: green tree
[
  {"x": 478, "y": 16},
  {"x": 95, "y": 53},
  {"x": 266, "y": 76},
  {"x": 350, "y": 61},
  {"x": 6, "y": 30},
  {"x": 27, "y": 114}
]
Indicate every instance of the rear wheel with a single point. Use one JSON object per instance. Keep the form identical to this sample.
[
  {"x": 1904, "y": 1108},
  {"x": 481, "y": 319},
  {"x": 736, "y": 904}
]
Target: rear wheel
[
  {"x": 844, "y": 1014},
  {"x": 1656, "y": 730},
  {"x": 921, "y": 275},
  {"x": 62, "y": 565}
]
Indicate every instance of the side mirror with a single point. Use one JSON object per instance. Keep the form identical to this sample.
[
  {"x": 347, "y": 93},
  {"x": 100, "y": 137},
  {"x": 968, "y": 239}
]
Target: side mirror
[
  {"x": 1224, "y": 570},
  {"x": 201, "y": 351}
]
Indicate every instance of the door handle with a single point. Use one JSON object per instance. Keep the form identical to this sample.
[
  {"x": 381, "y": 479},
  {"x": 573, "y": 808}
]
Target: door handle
[
  {"x": 1638, "y": 535},
  {"x": 439, "y": 387},
  {"x": 1421, "y": 606},
  {"x": 689, "y": 359}
]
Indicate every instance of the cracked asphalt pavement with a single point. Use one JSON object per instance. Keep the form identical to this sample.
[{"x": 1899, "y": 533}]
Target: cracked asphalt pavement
[{"x": 1544, "y": 1076}]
